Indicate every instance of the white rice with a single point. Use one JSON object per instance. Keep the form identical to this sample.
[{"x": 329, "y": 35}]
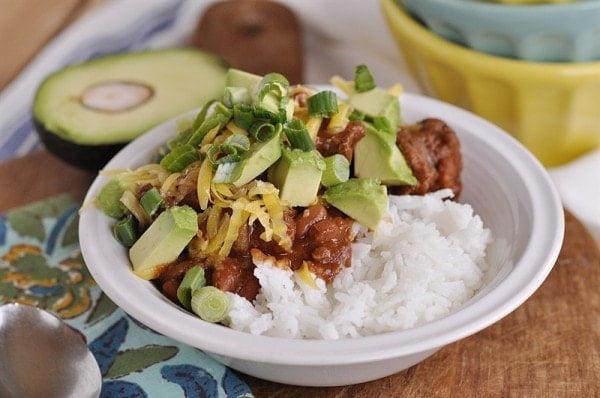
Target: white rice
[{"x": 426, "y": 259}]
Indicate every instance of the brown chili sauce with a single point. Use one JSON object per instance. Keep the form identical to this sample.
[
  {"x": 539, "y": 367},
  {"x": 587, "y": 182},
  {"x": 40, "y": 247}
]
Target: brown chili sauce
[{"x": 321, "y": 235}]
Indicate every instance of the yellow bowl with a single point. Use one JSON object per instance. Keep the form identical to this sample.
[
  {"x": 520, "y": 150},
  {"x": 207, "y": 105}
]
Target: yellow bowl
[
  {"x": 529, "y": 1},
  {"x": 552, "y": 108}
]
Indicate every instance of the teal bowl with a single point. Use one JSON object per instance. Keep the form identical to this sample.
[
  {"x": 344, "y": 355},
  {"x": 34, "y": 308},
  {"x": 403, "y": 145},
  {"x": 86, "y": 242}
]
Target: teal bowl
[{"x": 565, "y": 32}]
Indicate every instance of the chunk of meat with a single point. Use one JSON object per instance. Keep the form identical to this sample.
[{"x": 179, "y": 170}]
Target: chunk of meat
[
  {"x": 184, "y": 190},
  {"x": 323, "y": 239},
  {"x": 432, "y": 150},
  {"x": 309, "y": 217},
  {"x": 236, "y": 275},
  {"x": 330, "y": 246},
  {"x": 343, "y": 142}
]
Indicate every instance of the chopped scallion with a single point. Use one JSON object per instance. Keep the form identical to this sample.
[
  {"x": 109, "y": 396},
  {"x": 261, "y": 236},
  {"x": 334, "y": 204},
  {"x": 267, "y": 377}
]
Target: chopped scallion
[
  {"x": 243, "y": 115},
  {"x": 337, "y": 170},
  {"x": 193, "y": 279},
  {"x": 210, "y": 304},
  {"x": 274, "y": 114},
  {"x": 323, "y": 103},
  {"x": 201, "y": 116},
  {"x": 125, "y": 231},
  {"x": 263, "y": 130},
  {"x": 298, "y": 135},
  {"x": 240, "y": 143},
  {"x": 181, "y": 138},
  {"x": 273, "y": 83},
  {"x": 229, "y": 158},
  {"x": 151, "y": 200},
  {"x": 363, "y": 79},
  {"x": 217, "y": 115},
  {"x": 218, "y": 154},
  {"x": 179, "y": 158}
]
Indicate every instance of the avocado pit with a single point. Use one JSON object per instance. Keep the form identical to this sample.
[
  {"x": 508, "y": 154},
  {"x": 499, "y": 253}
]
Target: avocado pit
[{"x": 116, "y": 96}]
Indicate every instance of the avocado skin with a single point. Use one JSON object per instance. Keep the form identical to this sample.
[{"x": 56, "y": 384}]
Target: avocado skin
[
  {"x": 181, "y": 79},
  {"x": 87, "y": 157}
]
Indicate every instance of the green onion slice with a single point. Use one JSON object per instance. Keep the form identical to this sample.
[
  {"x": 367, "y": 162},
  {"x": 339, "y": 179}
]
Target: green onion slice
[
  {"x": 179, "y": 158},
  {"x": 193, "y": 279},
  {"x": 298, "y": 135},
  {"x": 125, "y": 231},
  {"x": 217, "y": 114},
  {"x": 273, "y": 83},
  {"x": 151, "y": 200},
  {"x": 181, "y": 138},
  {"x": 323, "y": 103},
  {"x": 363, "y": 79},
  {"x": 274, "y": 114},
  {"x": 243, "y": 115},
  {"x": 210, "y": 303},
  {"x": 238, "y": 142},
  {"x": 337, "y": 170},
  {"x": 264, "y": 130},
  {"x": 201, "y": 116},
  {"x": 218, "y": 154}
]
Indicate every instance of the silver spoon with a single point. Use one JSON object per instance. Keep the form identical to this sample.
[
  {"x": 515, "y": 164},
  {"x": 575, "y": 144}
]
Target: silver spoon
[{"x": 42, "y": 356}]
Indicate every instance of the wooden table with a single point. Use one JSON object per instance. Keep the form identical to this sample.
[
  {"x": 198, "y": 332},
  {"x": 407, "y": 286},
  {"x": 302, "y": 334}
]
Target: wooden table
[{"x": 548, "y": 347}]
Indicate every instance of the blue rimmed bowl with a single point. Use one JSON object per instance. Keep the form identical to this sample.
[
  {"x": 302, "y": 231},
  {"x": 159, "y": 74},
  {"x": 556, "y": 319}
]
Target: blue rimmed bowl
[{"x": 561, "y": 32}]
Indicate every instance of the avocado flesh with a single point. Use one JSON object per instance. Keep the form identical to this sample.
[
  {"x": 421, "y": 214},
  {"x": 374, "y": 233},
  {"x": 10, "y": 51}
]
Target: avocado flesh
[
  {"x": 362, "y": 199},
  {"x": 253, "y": 163},
  {"x": 242, "y": 79},
  {"x": 76, "y": 116},
  {"x": 381, "y": 108},
  {"x": 297, "y": 175},
  {"x": 163, "y": 241},
  {"x": 377, "y": 156}
]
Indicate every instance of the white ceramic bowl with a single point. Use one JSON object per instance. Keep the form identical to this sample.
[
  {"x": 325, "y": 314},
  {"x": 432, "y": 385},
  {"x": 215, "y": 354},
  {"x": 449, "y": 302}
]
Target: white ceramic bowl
[{"x": 504, "y": 183}]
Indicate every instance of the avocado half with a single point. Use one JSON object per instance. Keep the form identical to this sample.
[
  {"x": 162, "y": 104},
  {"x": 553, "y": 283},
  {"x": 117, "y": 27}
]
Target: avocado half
[{"x": 86, "y": 113}]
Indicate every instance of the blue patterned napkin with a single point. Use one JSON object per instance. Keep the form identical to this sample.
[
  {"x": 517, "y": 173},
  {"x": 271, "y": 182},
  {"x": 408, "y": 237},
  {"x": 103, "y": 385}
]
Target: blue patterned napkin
[{"x": 41, "y": 265}]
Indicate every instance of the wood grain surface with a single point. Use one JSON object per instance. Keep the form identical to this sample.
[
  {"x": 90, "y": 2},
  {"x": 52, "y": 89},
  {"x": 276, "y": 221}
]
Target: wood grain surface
[
  {"x": 26, "y": 26},
  {"x": 548, "y": 347}
]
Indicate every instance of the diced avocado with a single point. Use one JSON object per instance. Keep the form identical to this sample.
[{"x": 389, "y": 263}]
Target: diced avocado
[
  {"x": 379, "y": 107},
  {"x": 363, "y": 199},
  {"x": 252, "y": 163},
  {"x": 297, "y": 175},
  {"x": 236, "y": 95},
  {"x": 163, "y": 241},
  {"x": 239, "y": 78},
  {"x": 376, "y": 155},
  {"x": 85, "y": 113}
]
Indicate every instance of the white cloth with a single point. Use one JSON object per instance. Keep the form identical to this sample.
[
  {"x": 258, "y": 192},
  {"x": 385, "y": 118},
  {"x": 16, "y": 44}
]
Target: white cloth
[{"x": 338, "y": 35}]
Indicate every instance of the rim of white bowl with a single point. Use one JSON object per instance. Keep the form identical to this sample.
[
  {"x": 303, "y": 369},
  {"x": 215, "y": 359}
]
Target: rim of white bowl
[{"x": 161, "y": 315}]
